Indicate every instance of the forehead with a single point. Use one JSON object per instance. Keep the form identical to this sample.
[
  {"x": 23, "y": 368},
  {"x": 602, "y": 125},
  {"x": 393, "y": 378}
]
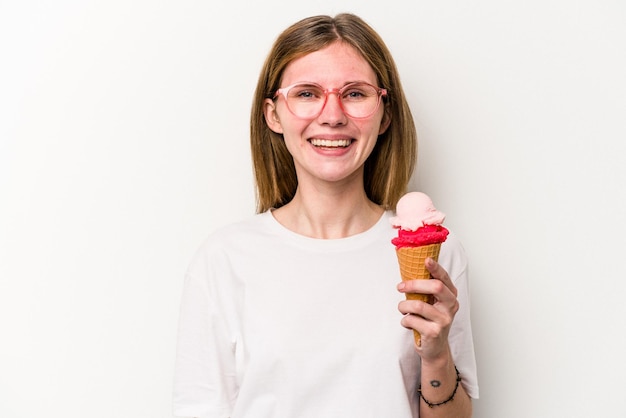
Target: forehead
[{"x": 333, "y": 66}]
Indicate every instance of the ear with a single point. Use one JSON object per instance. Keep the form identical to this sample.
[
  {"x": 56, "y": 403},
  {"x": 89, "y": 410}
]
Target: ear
[
  {"x": 385, "y": 122},
  {"x": 271, "y": 117}
]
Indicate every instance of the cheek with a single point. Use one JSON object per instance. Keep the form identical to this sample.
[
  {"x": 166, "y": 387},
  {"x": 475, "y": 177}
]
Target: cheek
[
  {"x": 371, "y": 128},
  {"x": 294, "y": 137},
  {"x": 293, "y": 128}
]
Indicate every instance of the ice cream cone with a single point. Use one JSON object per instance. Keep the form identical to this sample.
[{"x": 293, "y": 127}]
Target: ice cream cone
[
  {"x": 420, "y": 234},
  {"x": 412, "y": 267}
]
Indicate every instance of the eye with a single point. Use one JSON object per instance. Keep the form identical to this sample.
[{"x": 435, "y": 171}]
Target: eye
[
  {"x": 354, "y": 93},
  {"x": 358, "y": 92},
  {"x": 306, "y": 92}
]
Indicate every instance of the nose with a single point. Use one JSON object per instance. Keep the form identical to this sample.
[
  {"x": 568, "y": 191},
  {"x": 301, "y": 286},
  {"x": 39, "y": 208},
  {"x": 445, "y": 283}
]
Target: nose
[{"x": 332, "y": 112}]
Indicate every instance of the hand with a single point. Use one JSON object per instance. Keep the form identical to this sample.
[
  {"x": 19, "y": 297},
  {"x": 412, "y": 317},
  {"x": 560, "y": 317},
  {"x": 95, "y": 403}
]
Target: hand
[{"x": 431, "y": 321}]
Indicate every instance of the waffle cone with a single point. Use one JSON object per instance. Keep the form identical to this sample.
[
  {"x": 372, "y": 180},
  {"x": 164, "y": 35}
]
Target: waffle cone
[{"x": 412, "y": 267}]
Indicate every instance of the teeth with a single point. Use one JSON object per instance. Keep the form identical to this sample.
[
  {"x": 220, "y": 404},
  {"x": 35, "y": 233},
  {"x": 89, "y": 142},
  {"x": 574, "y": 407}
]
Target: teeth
[{"x": 328, "y": 143}]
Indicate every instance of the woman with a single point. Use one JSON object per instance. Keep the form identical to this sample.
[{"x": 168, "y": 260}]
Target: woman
[{"x": 294, "y": 312}]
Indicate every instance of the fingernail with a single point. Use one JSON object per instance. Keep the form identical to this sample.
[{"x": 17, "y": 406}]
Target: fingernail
[{"x": 401, "y": 286}]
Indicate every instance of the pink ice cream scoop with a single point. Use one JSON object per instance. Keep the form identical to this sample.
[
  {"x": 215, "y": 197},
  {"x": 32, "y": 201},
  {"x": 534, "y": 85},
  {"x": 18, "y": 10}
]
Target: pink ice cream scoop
[
  {"x": 414, "y": 210},
  {"x": 418, "y": 221}
]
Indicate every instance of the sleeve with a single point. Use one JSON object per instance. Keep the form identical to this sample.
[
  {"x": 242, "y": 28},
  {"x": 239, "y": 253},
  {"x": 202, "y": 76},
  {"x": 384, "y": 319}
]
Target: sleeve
[
  {"x": 454, "y": 260},
  {"x": 205, "y": 383}
]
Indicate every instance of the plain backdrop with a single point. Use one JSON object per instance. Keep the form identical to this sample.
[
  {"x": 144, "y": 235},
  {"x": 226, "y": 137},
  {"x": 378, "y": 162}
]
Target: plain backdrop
[{"x": 124, "y": 142}]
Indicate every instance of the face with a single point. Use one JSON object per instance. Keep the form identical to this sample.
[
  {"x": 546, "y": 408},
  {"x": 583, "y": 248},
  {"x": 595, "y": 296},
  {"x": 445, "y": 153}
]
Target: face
[{"x": 331, "y": 147}]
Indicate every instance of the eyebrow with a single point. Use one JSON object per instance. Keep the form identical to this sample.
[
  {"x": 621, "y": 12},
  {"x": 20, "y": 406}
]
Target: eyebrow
[{"x": 312, "y": 83}]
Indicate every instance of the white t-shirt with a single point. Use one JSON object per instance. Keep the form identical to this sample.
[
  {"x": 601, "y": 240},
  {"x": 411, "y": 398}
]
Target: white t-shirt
[{"x": 275, "y": 324}]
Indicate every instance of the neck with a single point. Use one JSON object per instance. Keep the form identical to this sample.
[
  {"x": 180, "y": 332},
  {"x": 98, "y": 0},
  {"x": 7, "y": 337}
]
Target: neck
[{"x": 329, "y": 214}]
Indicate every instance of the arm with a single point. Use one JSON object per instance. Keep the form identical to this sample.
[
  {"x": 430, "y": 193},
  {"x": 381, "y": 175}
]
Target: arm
[
  {"x": 439, "y": 382},
  {"x": 205, "y": 367},
  {"x": 438, "y": 374}
]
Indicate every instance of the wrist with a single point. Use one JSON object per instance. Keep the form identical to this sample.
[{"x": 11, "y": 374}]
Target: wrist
[
  {"x": 442, "y": 361},
  {"x": 432, "y": 404}
]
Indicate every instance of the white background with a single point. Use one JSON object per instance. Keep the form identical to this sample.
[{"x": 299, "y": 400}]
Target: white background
[{"x": 124, "y": 142}]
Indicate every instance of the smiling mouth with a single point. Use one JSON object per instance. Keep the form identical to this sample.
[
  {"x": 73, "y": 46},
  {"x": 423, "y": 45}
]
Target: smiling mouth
[{"x": 331, "y": 143}]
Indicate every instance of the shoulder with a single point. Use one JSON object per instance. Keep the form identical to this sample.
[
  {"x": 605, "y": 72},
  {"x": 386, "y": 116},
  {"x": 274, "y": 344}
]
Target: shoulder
[
  {"x": 248, "y": 228},
  {"x": 227, "y": 239}
]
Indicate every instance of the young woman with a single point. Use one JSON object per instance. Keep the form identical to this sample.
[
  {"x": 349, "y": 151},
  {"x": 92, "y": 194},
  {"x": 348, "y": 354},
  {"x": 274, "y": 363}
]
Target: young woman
[{"x": 294, "y": 312}]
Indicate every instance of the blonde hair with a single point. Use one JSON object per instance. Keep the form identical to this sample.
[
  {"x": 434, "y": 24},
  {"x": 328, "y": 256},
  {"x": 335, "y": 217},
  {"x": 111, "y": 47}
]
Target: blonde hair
[{"x": 389, "y": 167}]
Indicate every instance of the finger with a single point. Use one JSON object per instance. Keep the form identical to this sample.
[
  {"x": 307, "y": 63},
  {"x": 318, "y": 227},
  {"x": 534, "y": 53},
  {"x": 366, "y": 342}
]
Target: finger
[
  {"x": 436, "y": 288},
  {"x": 414, "y": 307},
  {"x": 430, "y": 323},
  {"x": 444, "y": 300},
  {"x": 439, "y": 273},
  {"x": 437, "y": 317},
  {"x": 415, "y": 322}
]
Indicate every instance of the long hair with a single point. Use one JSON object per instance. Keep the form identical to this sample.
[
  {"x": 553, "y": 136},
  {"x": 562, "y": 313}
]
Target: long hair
[{"x": 392, "y": 161}]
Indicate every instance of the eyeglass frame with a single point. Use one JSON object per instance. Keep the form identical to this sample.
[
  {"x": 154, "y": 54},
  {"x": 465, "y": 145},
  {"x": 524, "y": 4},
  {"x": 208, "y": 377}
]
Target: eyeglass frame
[{"x": 284, "y": 91}]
